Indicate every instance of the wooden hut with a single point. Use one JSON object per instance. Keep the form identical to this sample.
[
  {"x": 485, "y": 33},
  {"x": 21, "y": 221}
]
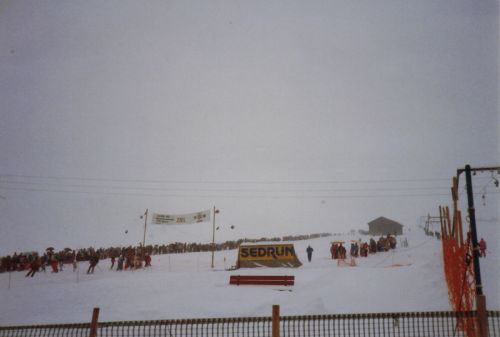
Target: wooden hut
[{"x": 384, "y": 226}]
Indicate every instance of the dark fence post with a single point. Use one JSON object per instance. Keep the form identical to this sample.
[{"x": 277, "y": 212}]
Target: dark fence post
[
  {"x": 482, "y": 316},
  {"x": 276, "y": 321},
  {"x": 93, "y": 324}
]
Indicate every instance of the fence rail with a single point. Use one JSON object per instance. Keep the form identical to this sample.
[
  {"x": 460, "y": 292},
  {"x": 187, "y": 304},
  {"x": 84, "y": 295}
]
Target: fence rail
[{"x": 406, "y": 324}]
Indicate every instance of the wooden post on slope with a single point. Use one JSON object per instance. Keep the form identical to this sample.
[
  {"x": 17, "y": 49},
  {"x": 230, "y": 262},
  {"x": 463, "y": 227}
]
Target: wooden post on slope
[
  {"x": 459, "y": 229},
  {"x": 454, "y": 194},
  {"x": 93, "y": 324},
  {"x": 482, "y": 317},
  {"x": 448, "y": 221},
  {"x": 276, "y": 321},
  {"x": 441, "y": 219},
  {"x": 213, "y": 236},
  {"x": 144, "y": 237}
]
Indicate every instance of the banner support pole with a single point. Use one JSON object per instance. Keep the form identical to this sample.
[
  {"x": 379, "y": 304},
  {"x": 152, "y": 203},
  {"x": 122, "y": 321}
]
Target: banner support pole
[{"x": 213, "y": 238}]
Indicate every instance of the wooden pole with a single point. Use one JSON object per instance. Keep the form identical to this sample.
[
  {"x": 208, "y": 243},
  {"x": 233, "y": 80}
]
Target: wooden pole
[
  {"x": 441, "y": 219},
  {"x": 459, "y": 229},
  {"x": 482, "y": 317},
  {"x": 276, "y": 321},
  {"x": 93, "y": 324},
  {"x": 448, "y": 221}
]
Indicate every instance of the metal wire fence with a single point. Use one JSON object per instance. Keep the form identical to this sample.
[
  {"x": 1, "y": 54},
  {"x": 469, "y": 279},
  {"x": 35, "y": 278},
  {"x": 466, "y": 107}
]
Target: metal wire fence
[
  {"x": 494, "y": 323},
  {"x": 413, "y": 324},
  {"x": 377, "y": 325}
]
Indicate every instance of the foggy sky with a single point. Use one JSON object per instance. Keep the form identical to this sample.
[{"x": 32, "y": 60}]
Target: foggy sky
[{"x": 290, "y": 117}]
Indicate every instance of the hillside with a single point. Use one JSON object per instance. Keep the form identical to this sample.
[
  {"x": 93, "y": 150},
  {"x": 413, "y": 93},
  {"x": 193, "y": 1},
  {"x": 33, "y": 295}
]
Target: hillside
[{"x": 184, "y": 286}]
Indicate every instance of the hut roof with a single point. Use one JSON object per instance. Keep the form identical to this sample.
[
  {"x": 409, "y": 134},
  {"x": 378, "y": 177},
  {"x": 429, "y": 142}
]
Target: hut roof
[{"x": 384, "y": 220}]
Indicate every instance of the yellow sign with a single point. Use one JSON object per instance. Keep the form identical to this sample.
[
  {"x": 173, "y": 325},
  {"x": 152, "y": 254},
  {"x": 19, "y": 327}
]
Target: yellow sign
[{"x": 267, "y": 252}]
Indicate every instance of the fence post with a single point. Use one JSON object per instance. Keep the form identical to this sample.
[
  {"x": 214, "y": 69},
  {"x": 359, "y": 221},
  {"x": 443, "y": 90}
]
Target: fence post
[
  {"x": 276, "y": 320},
  {"x": 93, "y": 324},
  {"x": 482, "y": 317}
]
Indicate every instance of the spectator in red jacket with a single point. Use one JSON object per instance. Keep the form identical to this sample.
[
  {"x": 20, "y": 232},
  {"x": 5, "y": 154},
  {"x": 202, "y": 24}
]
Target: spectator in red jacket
[
  {"x": 334, "y": 250},
  {"x": 54, "y": 264},
  {"x": 482, "y": 248}
]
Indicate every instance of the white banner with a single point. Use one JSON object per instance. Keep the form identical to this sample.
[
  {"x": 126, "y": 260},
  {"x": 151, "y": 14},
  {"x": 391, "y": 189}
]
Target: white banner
[{"x": 181, "y": 219}]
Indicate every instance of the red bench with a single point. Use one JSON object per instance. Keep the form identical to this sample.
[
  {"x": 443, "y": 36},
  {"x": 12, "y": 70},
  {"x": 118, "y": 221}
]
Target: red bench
[{"x": 285, "y": 280}]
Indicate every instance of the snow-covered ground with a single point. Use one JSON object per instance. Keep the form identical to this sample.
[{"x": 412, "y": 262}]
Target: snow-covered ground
[{"x": 184, "y": 286}]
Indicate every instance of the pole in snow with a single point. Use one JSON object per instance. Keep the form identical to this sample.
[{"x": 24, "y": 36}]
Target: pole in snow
[
  {"x": 144, "y": 237},
  {"x": 213, "y": 236}
]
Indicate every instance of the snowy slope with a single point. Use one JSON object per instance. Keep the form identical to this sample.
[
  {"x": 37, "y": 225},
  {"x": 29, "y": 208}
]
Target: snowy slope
[{"x": 184, "y": 286}]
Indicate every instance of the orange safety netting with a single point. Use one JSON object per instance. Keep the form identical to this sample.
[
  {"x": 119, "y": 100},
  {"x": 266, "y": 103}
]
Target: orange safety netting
[{"x": 458, "y": 270}]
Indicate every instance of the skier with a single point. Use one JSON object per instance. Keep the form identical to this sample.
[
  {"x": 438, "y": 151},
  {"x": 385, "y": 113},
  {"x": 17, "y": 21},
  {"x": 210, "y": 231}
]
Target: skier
[
  {"x": 94, "y": 260},
  {"x": 112, "y": 262},
  {"x": 34, "y": 267},
  {"x": 309, "y": 253},
  {"x": 482, "y": 248}
]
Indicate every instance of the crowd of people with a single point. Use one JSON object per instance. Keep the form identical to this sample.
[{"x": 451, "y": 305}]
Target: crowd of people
[
  {"x": 359, "y": 248},
  {"x": 125, "y": 258}
]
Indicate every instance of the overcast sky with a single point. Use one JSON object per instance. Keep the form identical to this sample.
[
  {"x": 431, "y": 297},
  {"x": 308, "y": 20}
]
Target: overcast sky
[{"x": 290, "y": 116}]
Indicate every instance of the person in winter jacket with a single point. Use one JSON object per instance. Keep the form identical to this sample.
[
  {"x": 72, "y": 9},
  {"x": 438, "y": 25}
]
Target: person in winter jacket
[
  {"x": 334, "y": 250},
  {"x": 74, "y": 262},
  {"x": 342, "y": 252},
  {"x": 94, "y": 260},
  {"x": 60, "y": 261},
  {"x": 119, "y": 266},
  {"x": 43, "y": 261},
  {"x": 364, "y": 249},
  {"x": 137, "y": 262},
  {"x": 482, "y": 248},
  {"x": 354, "y": 249},
  {"x": 309, "y": 251},
  {"x": 373, "y": 246},
  {"x": 34, "y": 267},
  {"x": 147, "y": 260},
  {"x": 54, "y": 264}
]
